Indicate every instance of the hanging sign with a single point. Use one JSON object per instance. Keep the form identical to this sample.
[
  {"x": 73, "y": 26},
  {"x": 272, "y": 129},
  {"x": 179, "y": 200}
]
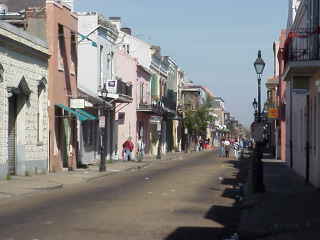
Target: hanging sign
[
  {"x": 102, "y": 121},
  {"x": 77, "y": 103},
  {"x": 273, "y": 113}
]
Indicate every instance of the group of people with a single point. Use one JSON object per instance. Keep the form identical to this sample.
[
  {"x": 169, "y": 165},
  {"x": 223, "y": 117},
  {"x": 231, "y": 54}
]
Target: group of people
[
  {"x": 203, "y": 144},
  {"x": 228, "y": 145}
]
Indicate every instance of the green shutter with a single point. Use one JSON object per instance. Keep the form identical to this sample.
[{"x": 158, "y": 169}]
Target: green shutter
[{"x": 154, "y": 86}]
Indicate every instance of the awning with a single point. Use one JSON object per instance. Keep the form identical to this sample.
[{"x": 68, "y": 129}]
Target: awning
[
  {"x": 89, "y": 115},
  {"x": 78, "y": 115}
]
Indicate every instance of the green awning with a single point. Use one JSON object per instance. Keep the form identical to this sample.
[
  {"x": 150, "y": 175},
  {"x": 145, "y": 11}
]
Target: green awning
[
  {"x": 78, "y": 115},
  {"x": 88, "y": 115}
]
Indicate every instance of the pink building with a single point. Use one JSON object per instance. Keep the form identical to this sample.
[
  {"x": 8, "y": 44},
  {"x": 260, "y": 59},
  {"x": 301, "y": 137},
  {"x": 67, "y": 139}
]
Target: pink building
[
  {"x": 282, "y": 96},
  {"x": 126, "y": 113}
]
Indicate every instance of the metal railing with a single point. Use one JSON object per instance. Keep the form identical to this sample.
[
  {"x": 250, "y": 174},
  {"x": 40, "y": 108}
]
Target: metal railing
[
  {"x": 302, "y": 45},
  {"x": 124, "y": 88}
]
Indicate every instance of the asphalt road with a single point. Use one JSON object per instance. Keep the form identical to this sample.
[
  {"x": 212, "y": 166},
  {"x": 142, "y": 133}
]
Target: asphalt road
[{"x": 169, "y": 200}]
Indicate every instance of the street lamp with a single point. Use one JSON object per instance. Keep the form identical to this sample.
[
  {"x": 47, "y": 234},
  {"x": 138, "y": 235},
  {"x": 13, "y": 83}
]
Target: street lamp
[
  {"x": 255, "y": 104},
  {"x": 103, "y": 127},
  {"x": 259, "y": 65},
  {"x": 257, "y": 165},
  {"x": 104, "y": 92},
  {"x": 255, "y": 108}
]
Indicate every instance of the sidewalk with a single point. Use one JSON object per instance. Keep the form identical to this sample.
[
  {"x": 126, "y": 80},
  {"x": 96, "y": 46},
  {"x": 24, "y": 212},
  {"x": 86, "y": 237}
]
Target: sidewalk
[
  {"x": 288, "y": 210},
  {"x": 20, "y": 185}
]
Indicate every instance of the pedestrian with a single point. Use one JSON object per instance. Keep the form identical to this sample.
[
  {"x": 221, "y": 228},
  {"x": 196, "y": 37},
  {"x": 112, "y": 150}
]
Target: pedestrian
[
  {"x": 236, "y": 149},
  {"x": 222, "y": 150},
  {"x": 127, "y": 149},
  {"x": 227, "y": 148},
  {"x": 140, "y": 149},
  {"x": 201, "y": 144}
]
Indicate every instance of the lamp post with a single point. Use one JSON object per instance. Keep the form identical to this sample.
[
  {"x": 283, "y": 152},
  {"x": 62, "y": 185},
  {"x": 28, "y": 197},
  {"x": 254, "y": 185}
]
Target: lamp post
[
  {"x": 259, "y": 65},
  {"x": 159, "y": 132},
  {"x": 103, "y": 127},
  {"x": 258, "y": 184},
  {"x": 255, "y": 107}
]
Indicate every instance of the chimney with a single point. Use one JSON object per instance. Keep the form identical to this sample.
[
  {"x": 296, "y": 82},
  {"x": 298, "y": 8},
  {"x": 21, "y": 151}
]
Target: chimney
[{"x": 127, "y": 31}]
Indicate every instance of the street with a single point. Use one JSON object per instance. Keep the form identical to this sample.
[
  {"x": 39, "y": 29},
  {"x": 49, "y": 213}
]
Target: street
[{"x": 182, "y": 199}]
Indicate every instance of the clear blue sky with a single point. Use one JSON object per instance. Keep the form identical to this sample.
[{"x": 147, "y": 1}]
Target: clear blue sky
[{"x": 215, "y": 42}]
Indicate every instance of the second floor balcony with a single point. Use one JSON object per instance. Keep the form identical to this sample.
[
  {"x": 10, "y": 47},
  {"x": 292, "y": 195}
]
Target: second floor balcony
[
  {"x": 119, "y": 90},
  {"x": 301, "y": 53}
]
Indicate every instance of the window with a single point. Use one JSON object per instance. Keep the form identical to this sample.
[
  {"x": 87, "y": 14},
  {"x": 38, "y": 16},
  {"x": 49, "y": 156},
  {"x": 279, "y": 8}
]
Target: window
[
  {"x": 73, "y": 55},
  {"x": 101, "y": 65},
  {"x": 61, "y": 48},
  {"x": 121, "y": 117},
  {"x": 141, "y": 93}
]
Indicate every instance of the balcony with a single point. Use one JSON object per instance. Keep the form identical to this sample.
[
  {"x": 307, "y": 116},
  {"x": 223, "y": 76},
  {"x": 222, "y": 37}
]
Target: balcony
[
  {"x": 119, "y": 90},
  {"x": 155, "y": 108},
  {"x": 301, "y": 52}
]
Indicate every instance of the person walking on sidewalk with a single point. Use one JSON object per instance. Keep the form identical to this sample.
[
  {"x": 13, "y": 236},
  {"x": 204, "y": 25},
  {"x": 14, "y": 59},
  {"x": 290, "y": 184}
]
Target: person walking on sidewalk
[
  {"x": 127, "y": 149},
  {"x": 236, "y": 149},
  {"x": 222, "y": 150},
  {"x": 227, "y": 146}
]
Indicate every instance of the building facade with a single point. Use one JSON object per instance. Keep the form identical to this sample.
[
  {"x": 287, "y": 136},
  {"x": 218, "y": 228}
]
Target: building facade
[
  {"x": 23, "y": 103},
  {"x": 96, "y": 50},
  {"x": 301, "y": 72}
]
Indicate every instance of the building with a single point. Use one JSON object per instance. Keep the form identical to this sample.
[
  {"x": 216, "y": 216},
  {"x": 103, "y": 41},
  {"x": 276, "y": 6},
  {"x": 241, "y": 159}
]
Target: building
[
  {"x": 153, "y": 113},
  {"x": 282, "y": 97},
  {"x": 23, "y": 103},
  {"x": 57, "y": 24},
  {"x": 96, "y": 71},
  {"x": 301, "y": 73},
  {"x": 219, "y": 123}
]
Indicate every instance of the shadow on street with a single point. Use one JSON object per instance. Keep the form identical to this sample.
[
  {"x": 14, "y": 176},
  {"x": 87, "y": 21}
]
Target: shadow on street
[{"x": 229, "y": 217}]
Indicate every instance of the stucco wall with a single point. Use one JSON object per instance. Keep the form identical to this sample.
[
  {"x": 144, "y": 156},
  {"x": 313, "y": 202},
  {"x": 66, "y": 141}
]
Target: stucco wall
[
  {"x": 127, "y": 70},
  {"x": 31, "y": 155},
  {"x": 138, "y": 49},
  {"x": 62, "y": 83}
]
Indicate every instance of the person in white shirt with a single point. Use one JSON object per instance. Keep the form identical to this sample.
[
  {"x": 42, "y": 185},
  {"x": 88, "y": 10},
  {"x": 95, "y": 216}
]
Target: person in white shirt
[
  {"x": 227, "y": 147},
  {"x": 236, "y": 149}
]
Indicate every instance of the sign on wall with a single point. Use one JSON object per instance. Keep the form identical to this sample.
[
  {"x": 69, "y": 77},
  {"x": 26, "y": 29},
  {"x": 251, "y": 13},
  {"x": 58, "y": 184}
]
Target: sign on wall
[
  {"x": 112, "y": 86},
  {"x": 77, "y": 103},
  {"x": 273, "y": 113}
]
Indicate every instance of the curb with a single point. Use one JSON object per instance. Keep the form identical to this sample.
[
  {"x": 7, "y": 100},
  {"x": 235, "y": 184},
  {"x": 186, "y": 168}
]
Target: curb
[{"x": 58, "y": 186}]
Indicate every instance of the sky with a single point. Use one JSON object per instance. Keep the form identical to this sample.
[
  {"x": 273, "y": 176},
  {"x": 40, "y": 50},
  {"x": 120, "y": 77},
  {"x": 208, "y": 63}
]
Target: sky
[{"x": 214, "y": 42}]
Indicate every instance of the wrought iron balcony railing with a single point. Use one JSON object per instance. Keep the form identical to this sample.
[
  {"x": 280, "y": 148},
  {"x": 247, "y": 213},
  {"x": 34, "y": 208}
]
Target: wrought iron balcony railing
[{"x": 302, "y": 45}]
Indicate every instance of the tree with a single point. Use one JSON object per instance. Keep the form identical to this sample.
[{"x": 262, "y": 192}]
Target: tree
[{"x": 198, "y": 120}]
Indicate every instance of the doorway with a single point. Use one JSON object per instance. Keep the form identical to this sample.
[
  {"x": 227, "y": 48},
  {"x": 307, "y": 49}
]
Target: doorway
[{"x": 12, "y": 135}]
